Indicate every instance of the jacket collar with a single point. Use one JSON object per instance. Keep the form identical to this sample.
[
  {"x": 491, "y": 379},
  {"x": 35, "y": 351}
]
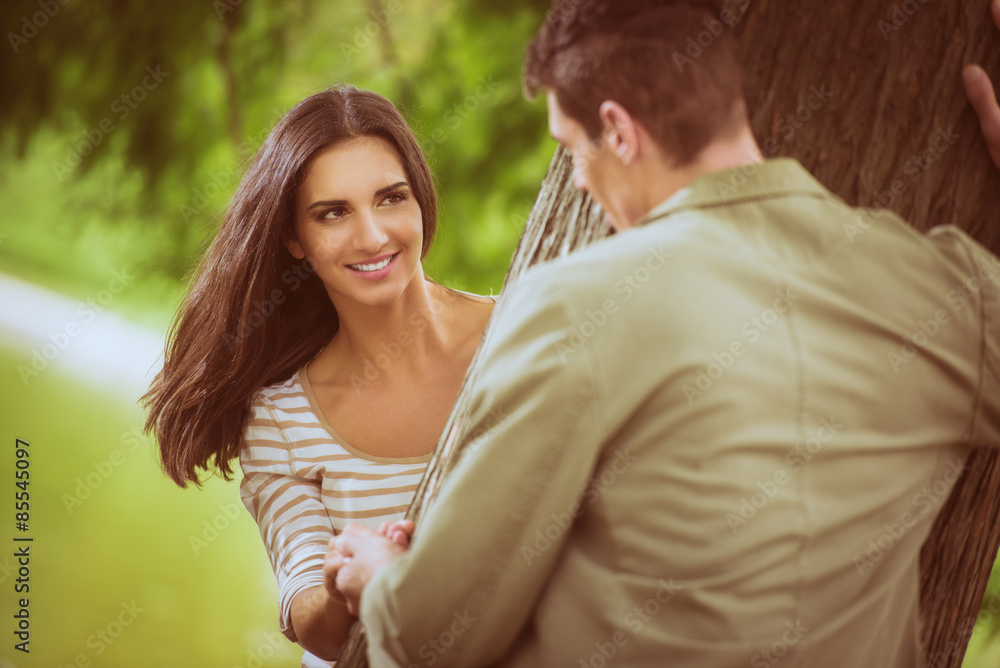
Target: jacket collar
[{"x": 746, "y": 183}]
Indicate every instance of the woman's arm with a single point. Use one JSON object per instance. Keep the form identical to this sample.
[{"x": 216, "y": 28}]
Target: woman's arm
[
  {"x": 297, "y": 533},
  {"x": 321, "y": 621}
]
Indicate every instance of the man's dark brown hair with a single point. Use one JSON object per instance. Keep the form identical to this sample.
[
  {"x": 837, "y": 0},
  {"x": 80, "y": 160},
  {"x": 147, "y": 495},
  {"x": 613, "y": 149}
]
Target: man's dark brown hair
[{"x": 673, "y": 65}]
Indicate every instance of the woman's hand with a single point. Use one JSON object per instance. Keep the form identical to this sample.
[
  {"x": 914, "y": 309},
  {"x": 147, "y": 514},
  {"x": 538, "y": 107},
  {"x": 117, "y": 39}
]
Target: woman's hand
[
  {"x": 332, "y": 564},
  {"x": 398, "y": 532},
  {"x": 979, "y": 90},
  {"x": 356, "y": 555}
]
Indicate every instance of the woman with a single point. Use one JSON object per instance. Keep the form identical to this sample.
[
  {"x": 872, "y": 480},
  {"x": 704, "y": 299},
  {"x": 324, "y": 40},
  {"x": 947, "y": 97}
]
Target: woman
[{"x": 312, "y": 346}]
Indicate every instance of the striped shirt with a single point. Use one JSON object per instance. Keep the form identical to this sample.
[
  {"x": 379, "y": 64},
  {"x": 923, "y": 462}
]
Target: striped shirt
[{"x": 303, "y": 482}]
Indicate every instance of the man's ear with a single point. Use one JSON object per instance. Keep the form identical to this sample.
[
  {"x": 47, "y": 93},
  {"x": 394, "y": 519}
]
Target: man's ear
[{"x": 620, "y": 130}]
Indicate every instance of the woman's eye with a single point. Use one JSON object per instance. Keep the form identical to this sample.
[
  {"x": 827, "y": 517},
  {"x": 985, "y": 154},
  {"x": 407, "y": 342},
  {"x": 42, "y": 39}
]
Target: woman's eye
[
  {"x": 334, "y": 213},
  {"x": 395, "y": 198}
]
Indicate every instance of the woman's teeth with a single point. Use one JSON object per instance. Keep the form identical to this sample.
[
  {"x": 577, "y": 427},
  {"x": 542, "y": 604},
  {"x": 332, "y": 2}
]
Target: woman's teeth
[{"x": 372, "y": 267}]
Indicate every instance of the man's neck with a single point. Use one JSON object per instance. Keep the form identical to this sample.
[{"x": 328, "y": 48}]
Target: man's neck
[
  {"x": 654, "y": 179},
  {"x": 720, "y": 155}
]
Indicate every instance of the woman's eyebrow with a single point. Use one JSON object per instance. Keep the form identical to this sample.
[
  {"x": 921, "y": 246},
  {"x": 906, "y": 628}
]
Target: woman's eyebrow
[{"x": 382, "y": 191}]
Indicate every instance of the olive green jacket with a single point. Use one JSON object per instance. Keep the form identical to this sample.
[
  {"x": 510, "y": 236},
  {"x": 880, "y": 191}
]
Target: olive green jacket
[{"x": 716, "y": 439}]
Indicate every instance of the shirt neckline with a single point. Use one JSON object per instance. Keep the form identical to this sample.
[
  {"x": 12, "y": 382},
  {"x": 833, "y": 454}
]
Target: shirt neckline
[{"x": 302, "y": 379}]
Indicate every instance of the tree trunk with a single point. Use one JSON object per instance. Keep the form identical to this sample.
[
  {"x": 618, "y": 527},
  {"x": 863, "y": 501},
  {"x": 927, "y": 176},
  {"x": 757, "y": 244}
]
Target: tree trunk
[
  {"x": 897, "y": 131},
  {"x": 224, "y": 54},
  {"x": 868, "y": 97}
]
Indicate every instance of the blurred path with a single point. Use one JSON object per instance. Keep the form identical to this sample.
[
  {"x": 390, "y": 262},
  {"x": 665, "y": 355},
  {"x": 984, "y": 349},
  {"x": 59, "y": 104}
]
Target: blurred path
[{"x": 47, "y": 330}]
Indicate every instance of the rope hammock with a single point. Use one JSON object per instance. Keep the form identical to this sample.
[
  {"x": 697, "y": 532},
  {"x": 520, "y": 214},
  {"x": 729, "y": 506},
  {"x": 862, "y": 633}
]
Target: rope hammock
[{"x": 957, "y": 557}]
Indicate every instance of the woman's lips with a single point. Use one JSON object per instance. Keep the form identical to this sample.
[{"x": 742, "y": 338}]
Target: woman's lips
[{"x": 376, "y": 269}]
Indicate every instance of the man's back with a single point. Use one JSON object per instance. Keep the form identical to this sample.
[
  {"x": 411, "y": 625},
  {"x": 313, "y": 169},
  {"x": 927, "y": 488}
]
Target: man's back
[
  {"x": 796, "y": 386},
  {"x": 730, "y": 430}
]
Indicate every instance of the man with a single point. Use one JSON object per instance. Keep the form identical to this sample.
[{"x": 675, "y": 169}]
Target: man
[{"x": 728, "y": 429}]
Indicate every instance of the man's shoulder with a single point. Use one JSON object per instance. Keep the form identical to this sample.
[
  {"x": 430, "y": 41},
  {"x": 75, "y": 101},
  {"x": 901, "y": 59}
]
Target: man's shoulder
[{"x": 639, "y": 253}]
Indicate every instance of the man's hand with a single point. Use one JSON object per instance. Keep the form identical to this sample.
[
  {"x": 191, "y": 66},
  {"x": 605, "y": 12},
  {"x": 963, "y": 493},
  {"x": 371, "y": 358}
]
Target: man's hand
[
  {"x": 358, "y": 553},
  {"x": 979, "y": 89}
]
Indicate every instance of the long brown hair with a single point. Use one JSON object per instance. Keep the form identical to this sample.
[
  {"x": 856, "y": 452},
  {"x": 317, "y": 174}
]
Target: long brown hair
[{"x": 254, "y": 314}]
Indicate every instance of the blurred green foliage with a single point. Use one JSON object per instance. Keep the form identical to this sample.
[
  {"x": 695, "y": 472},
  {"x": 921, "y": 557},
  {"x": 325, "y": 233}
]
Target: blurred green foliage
[{"x": 132, "y": 124}]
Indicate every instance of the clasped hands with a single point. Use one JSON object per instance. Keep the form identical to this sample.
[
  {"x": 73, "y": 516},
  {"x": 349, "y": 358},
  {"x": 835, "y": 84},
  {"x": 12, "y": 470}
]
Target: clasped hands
[{"x": 357, "y": 553}]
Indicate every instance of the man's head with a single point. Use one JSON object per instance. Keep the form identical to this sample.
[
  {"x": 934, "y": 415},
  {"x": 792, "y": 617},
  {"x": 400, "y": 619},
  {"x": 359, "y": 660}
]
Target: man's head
[{"x": 625, "y": 95}]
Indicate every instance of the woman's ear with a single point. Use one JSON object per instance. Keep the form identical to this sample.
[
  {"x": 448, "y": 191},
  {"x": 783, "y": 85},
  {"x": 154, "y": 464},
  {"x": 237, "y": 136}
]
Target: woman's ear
[{"x": 294, "y": 247}]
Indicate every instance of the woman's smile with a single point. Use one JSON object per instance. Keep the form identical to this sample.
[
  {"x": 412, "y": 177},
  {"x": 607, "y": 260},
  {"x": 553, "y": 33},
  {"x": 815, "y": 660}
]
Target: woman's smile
[{"x": 375, "y": 269}]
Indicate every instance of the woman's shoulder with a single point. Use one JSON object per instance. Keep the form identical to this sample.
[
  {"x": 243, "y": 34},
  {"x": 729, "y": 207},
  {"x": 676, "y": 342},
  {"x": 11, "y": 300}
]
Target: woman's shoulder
[
  {"x": 277, "y": 403},
  {"x": 273, "y": 410},
  {"x": 472, "y": 305},
  {"x": 472, "y": 314},
  {"x": 489, "y": 299},
  {"x": 278, "y": 391}
]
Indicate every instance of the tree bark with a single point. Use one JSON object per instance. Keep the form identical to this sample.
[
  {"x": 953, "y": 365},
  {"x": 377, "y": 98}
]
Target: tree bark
[{"x": 894, "y": 70}]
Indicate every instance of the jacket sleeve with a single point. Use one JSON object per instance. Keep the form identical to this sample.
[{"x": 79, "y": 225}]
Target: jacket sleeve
[
  {"x": 978, "y": 289},
  {"x": 477, "y": 565}
]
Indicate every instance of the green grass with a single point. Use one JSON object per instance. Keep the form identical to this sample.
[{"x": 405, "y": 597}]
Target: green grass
[{"x": 124, "y": 536}]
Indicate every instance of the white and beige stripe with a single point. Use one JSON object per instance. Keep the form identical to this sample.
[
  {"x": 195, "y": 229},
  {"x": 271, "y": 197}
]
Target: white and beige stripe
[{"x": 302, "y": 483}]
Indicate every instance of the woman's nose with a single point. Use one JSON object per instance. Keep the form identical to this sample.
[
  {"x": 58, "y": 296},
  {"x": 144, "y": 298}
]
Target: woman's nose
[{"x": 369, "y": 236}]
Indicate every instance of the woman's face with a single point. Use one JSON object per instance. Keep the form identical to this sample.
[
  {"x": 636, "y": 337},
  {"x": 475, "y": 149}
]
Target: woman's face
[{"x": 357, "y": 221}]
